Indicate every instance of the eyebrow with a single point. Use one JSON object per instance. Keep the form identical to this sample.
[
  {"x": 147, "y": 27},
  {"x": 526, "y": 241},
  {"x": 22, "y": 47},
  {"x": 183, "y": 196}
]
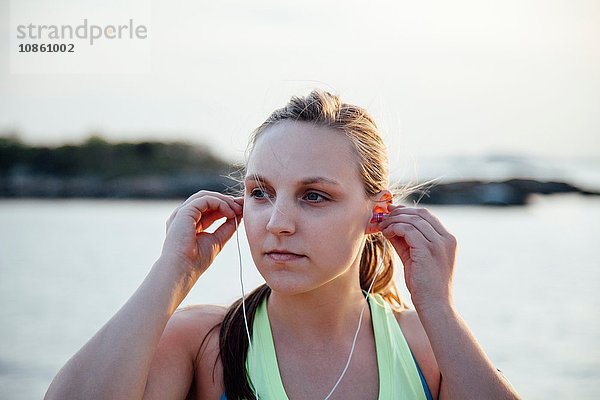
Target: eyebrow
[{"x": 307, "y": 181}]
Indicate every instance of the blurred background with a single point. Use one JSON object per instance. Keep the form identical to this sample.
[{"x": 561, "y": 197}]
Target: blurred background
[{"x": 497, "y": 103}]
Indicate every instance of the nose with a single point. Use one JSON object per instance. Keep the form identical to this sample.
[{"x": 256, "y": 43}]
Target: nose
[{"x": 281, "y": 221}]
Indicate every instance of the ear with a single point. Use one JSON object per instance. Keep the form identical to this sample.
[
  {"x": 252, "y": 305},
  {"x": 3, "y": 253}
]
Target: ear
[
  {"x": 380, "y": 203},
  {"x": 382, "y": 200}
]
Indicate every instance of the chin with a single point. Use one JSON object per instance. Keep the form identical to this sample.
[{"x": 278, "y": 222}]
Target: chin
[{"x": 288, "y": 283}]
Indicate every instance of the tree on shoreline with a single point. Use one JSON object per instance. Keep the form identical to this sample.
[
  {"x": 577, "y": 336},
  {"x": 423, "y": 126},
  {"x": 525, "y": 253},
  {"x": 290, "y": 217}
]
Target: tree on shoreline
[{"x": 99, "y": 157}]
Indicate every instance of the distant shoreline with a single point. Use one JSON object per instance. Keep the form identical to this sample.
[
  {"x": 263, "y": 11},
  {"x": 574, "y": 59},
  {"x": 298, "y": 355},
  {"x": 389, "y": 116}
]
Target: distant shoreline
[
  {"x": 511, "y": 192},
  {"x": 99, "y": 169}
]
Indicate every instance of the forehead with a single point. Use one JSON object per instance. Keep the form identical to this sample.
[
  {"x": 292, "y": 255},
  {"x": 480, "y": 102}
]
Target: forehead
[{"x": 295, "y": 150}]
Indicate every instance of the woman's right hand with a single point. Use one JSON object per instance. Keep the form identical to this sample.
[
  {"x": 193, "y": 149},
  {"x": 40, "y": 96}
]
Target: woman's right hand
[
  {"x": 187, "y": 244},
  {"x": 115, "y": 363}
]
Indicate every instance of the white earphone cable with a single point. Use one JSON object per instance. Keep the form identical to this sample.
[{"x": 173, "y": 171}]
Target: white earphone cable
[
  {"x": 358, "y": 328},
  {"x": 237, "y": 239},
  {"x": 359, "y": 320}
]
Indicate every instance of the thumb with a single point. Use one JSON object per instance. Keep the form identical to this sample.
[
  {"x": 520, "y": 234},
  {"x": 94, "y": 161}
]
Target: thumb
[{"x": 224, "y": 232}]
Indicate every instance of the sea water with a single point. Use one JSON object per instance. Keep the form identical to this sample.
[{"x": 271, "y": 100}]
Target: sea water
[{"x": 526, "y": 283}]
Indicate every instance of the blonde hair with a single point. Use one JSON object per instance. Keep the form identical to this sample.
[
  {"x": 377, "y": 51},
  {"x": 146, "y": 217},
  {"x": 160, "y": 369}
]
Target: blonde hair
[{"x": 322, "y": 109}]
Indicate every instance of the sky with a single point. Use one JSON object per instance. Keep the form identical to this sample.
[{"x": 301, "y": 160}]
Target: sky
[{"x": 441, "y": 78}]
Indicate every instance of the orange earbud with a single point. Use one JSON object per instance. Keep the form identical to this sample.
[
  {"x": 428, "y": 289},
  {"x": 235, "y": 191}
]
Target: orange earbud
[
  {"x": 380, "y": 210},
  {"x": 378, "y": 213},
  {"x": 377, "y": 217}
]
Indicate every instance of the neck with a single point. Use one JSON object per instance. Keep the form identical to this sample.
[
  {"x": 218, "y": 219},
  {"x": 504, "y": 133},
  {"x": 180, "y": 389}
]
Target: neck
[{"x": 317, "y": 317}]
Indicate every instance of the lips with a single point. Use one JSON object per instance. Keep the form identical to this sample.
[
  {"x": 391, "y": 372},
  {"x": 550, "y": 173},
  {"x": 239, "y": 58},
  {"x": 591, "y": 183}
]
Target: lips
[{"x": 283, "y": 255}]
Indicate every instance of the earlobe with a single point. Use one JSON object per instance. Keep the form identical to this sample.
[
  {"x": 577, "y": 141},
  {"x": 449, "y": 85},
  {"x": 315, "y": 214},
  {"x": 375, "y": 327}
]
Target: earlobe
[{"x": 376, "y": 218}]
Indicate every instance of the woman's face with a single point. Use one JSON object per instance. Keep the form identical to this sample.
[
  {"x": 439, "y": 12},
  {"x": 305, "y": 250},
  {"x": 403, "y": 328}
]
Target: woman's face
[{"x": 304, "y": 194}]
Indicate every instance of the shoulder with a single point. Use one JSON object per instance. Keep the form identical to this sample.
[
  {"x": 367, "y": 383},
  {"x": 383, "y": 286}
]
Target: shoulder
[
  {"x": 417, "y": 340},
  {"x": 201, "y": 314},
  {"x": 189, "y": 321},
  {"x": 197, "y": 328},
  {"x": 179, "y": 367}
]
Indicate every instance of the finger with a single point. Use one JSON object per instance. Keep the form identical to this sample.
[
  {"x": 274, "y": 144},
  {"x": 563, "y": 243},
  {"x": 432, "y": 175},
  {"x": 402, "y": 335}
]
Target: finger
[
  {"x": 239, "y": 200},
  {"x": 408, "y": 232},
  {"x": 415, "y": 220},
  {"x": 206, "y": 210},
  {"x": 186, "y": 201},
  {"x": 229, "y": 199},
  {"x": 392, "y": 206},
  {"x": 425, "y": 214},
  {"x": 213, "y": 207},
  {"x": 402, "y": 248},
  {"x": 224, "y": 232},
  {"x": 176, "y": 210}
]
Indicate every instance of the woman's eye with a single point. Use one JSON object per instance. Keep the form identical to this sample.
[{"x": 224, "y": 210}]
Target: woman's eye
[
  {"x": 257, "y": 193},
  {"x": 314, "y": 197}
]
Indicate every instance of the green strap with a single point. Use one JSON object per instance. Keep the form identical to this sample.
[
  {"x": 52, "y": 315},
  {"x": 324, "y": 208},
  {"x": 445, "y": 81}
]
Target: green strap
[{"x": 398, "y": 375}]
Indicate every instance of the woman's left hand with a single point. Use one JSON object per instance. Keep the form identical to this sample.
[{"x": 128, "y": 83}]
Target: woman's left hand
[{"x": 427, "y": 250}]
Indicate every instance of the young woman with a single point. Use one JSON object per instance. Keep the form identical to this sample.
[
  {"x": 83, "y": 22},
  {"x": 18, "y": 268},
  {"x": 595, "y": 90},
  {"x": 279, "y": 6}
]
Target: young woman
[{"x": 322, "y": 226}]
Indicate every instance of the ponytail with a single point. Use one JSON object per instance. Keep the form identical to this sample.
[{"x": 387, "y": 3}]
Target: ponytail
[
  {"x": 327, "y": 110},
  {"x": 385, "y": 283},
  {"x": 233, "y": 344},
  {"x": 233, "y": 341}
]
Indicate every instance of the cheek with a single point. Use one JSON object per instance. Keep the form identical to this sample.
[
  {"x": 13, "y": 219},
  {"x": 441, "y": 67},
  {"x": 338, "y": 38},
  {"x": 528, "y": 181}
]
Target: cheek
[
  {"x": 250, "y": 225},
  {"x": 337, "y": 241},
  {"x": 254, "y": 226},
  {"x": 344, "y": 226}
]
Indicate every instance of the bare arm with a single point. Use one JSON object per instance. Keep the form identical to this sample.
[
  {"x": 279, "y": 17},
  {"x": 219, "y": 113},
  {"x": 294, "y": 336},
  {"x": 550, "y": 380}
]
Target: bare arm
[
  {"x": 467, "y": 372},
  {"x": 115, "y": 363},
  {"x": 188, "y": 344},
  {"x": 428, "y": 253}
]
